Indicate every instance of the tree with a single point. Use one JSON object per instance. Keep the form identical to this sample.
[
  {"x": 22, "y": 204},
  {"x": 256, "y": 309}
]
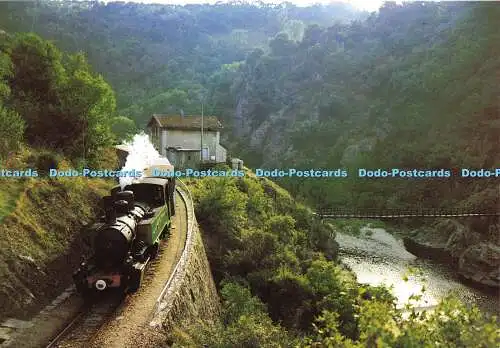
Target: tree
[
  {"x": 281, "y": 45},
  {"x": 37, "y": 76},
  {"x": 295, "y": 29},
  {"x": 123, "y": 128},
  {"x": 11, "y": 131},
  {"x": 64, "y": 104},
  {"x": 89, "y": 104},
  {"x": 5, "y": 73}
]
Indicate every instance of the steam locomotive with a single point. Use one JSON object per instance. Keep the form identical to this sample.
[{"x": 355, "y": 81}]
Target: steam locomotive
[{"x": 128, "y": 236}]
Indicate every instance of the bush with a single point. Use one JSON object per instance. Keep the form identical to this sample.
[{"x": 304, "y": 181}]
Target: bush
[
  {"x": 245, "y": 324},
  {"x": 450, "y": 324},
  {"x": 11, "y": 131},
  {"x": 220, "y": 207},
  {"x": 44, "y": 161}
]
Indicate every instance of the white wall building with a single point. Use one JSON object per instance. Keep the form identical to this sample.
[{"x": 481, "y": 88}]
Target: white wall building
[{"x": 179, "y": 138}]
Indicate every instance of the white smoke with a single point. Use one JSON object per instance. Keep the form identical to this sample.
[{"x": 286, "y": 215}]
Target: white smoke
[{"x": 142, "y": 154}]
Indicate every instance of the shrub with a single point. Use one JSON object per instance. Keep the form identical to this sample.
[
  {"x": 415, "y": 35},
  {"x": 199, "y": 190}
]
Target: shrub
[{"x": 11, "y": 131}]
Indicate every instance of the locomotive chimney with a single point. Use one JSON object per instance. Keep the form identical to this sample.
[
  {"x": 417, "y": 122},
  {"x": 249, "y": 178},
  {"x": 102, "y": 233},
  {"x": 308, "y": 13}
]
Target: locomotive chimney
[
  {"x": 109, "y": 209},
  {"x": 115, "y": 190},
  {"x": 127, "y": 196}
]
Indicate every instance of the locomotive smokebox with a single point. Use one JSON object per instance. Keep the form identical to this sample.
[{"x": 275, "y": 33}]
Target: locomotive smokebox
[{"x": 109, "y": 209}]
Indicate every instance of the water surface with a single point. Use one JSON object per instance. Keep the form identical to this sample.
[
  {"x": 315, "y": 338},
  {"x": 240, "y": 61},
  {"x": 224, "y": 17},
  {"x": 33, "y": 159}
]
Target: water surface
[{"x": 378, "y": 258}]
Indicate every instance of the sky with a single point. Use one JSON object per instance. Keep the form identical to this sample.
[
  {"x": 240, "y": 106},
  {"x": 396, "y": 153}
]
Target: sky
[{"x": 368, "y": 5}]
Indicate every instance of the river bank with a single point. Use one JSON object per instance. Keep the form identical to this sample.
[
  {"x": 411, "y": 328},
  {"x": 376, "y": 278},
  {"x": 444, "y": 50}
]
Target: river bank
[
  {"x": 470, "y": 246},
  {"x": 380, "y": 258}
]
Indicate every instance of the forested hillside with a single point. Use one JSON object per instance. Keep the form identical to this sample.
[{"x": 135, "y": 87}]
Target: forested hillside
[
  {"x": 53, "y": 100},
  {"x": 282, "y": 284},
  {"x": 164, "y": 58},
  {"x": 412, "y": 86},
  {"x": 415, "y": 86},
  {"x": 55, "y": 112}
]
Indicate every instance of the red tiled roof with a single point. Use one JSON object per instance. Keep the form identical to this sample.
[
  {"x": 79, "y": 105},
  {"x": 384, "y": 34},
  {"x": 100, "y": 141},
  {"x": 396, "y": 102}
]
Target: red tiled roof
[{"x": 186, "y": 122}]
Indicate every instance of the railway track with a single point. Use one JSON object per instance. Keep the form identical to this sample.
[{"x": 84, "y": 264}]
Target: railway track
[
  {"x": 83, "y": 327},
  {"x": 83, "y": 322}
]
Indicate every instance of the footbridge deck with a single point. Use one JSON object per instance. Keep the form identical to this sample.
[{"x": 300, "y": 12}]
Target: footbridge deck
[{"x": 396, "y": 213}]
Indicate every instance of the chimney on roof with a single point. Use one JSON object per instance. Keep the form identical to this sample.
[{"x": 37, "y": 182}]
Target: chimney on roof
[{"x": 182, "y": 113}]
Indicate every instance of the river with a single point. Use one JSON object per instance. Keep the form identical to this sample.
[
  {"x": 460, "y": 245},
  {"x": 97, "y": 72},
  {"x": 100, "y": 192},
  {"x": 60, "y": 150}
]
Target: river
[{"x": 377, "y": 257}]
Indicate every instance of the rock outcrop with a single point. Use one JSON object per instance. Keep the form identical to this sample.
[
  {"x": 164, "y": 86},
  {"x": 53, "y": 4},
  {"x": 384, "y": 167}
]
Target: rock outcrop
[
  {"x": 481, "y": 263},
  {"x": 476, "y": 256}
]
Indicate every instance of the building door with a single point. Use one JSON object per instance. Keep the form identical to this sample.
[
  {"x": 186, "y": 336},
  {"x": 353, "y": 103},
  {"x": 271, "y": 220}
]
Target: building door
[{"x": 205, "y": 154}]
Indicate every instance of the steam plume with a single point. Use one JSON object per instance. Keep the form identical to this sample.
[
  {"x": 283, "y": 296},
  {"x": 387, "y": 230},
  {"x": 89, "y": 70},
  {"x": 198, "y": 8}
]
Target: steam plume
[{"x": 142, "y": 154}]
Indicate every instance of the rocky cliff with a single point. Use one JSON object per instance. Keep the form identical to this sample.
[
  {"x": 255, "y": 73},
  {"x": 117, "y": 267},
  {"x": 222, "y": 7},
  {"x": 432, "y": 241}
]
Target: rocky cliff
[{"x": 472, "y": 246}]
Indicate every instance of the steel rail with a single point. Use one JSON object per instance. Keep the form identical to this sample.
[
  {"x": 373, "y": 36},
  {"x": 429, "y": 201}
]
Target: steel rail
[{"x": 67, "y": 328}]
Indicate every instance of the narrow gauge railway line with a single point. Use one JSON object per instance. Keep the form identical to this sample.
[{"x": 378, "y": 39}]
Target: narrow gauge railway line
[
  {"x": 87, "y": 322},
  {"x": 73, "y": 323}
]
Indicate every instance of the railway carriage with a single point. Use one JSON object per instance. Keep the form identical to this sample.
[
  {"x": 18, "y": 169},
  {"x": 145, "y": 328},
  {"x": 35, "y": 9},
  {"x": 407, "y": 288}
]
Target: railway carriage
[{"x": 128, "y": 236}]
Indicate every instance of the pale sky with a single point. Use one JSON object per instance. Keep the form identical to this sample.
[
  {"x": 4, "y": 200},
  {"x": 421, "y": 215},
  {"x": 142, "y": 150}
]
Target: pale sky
[{"x": 368, "y": 5}]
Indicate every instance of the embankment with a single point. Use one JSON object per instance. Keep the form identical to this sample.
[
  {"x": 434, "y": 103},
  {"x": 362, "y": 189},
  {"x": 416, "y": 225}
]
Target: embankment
[
  {"x": 191, "y": 294},
  {"x": 41, "y": 242}
]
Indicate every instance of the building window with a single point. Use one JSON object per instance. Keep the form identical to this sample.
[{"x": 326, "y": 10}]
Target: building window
[{"x": 189, "y": 157}]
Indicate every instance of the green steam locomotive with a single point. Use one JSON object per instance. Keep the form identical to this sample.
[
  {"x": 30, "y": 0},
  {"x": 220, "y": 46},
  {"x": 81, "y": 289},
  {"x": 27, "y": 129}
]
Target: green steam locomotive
[{"x": 128, "y": 236}]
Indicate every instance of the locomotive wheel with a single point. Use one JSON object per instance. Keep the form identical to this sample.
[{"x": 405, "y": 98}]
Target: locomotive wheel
[
  {"x": 154, "y": 250},
  {"x": 81, "y": 286},
  {"x": 86, "y": 293},
  {"x": 172, "y": 204},
  {"x": 166, "y": 231},
  {"x": 135, "y": 280}
]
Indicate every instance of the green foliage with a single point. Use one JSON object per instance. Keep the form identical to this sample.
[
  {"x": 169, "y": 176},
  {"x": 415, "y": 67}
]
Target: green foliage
[
  {"x": 64, "y": 105},
  {"x": 335, "y": 290},
  {"x": 290, "y": 298},
  {"x": 221, "y": 207},
  {"x": 5, "y": 73},
  {"x": 283, "y": 227},
  {"x": 380, "y": 93},
  {"x": 238, "y": 301},
  {"x": 419, "y": 79},
  {"x": 382, "y": 326},
  {"x": 148, "y": 50},
  {"x": 11, "y": 131},
  {"x": 255, "y": 250},
  {"x": 450, "y": 324},
  {"x": 349, "y": 226},
  {"x": 44, "y": 160},
  {"x": 297, "y": 286},
  {"x": 322, "y": 237},
  {"x": 245, "y": 324},
  {"x": 271, "y": 242},
  {"x": 258, "y": 204},
  {"x": 123, "y": 128}
]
